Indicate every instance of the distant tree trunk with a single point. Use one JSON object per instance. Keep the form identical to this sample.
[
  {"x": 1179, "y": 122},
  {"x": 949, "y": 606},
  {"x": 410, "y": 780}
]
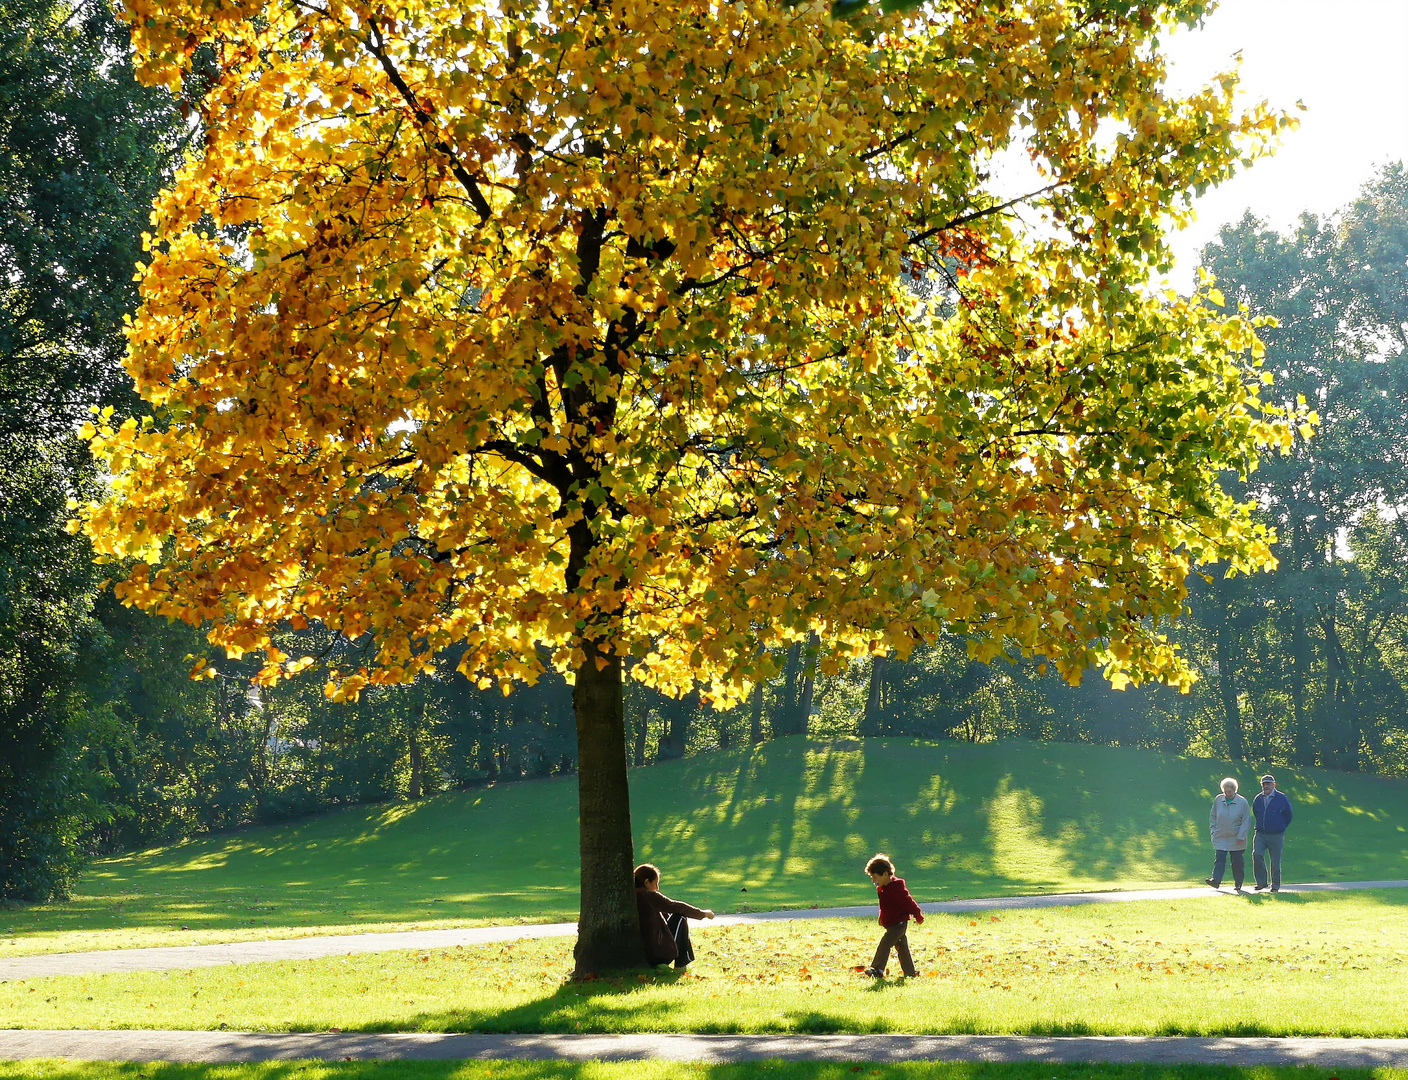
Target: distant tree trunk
[
  {"x": 1341, "y": 707},
  {"x": 1227, "y": 685},
  {"x": 725, "y": 729},
  {"x": 1304, "y": 734},
  {"x": 1303, "y": 737},
  {"x": 486, "y": 750},
  {"x": 755, "y": 722},
  {"x": 676, "y": 735},
  {"x": 798, "y": 681},
  {"x": 872, "y": 722},
  {"x": 258, "y": 769},
  {"x": 804, "y": 705},
  {"x": 416, "y": 788},
  {"x": 784, "y": 718},
  {"x": 642, "y": 733}
]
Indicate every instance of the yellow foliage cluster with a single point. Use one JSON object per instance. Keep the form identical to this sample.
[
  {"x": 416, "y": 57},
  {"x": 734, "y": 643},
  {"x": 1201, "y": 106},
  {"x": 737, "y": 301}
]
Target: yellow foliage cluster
[{"x": 678, "y": 330}]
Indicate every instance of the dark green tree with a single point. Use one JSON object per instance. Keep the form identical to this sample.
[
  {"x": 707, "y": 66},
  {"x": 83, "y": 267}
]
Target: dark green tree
[
  {"x": 1339, "y": 291},
  {"x": 82, "y": 151}
]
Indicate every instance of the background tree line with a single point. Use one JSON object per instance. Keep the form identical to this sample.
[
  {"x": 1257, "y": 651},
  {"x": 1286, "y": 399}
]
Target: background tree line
[{"x": 109, "y": 744}]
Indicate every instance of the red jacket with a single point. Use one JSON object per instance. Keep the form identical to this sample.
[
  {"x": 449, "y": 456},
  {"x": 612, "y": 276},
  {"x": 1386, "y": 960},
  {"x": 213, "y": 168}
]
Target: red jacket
[{"x": 896, "y": 905}]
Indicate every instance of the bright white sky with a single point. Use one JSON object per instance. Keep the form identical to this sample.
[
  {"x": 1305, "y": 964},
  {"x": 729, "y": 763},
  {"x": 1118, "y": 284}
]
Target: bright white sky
[{"x": 1347, "y": 60}]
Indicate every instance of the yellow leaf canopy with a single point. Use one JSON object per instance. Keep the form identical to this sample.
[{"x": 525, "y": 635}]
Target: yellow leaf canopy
[{"x": 676, "y": 330}]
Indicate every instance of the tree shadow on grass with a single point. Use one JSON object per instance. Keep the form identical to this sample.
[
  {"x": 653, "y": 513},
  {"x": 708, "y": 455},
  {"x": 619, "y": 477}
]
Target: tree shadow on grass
[
  {"x": 616, "y": 1005},
  {"x": 594, "y": 1070}
]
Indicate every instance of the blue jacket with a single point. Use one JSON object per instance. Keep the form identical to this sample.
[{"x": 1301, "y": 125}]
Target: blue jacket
[{"x": 1273, "y": 814}]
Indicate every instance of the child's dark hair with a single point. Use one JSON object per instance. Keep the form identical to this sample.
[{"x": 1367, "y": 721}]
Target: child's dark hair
[
  {"x": 880, "y": 864},
  {"x": 646, "y": 872}
]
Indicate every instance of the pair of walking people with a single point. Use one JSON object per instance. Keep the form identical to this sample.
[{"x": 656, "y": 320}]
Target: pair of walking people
[{"x": 1230, "y": 824}]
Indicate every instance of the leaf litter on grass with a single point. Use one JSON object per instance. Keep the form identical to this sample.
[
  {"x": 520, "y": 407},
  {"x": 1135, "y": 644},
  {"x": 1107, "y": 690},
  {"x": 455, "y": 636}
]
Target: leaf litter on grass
[{"x": 1167, "y": 968}]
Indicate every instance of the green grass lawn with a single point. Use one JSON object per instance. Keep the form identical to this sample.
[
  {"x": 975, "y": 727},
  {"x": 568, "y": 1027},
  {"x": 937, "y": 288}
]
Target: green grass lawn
[
  {"x": 787, "y": 824},
  {"x": 1321, "y": 964},
  {"x": 660, "y": 1070}
]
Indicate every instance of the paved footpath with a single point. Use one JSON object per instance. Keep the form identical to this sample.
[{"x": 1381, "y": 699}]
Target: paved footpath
[
  {"x": 229, "y": 1046},
  {"x": 311, "y": 948}
]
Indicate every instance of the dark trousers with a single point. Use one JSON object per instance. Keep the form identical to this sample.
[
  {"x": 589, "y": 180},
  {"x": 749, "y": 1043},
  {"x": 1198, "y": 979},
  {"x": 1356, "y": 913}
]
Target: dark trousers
[
  {"x": 1267, "y": 844},
  {"x": 897, "y": 938},
  {"x": 1239, "y": 867},
  {"x": 679, "y": 930}
]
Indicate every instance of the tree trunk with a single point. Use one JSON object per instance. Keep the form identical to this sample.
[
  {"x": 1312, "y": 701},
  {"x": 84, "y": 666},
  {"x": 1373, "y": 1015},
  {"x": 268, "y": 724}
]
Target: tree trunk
[
  {"x": 755, "y": 722},
  {"x": 804, "y": 705},
  {"x": 608, "y": 931},
  {"x": 785, "y": 718},
  {"x": 642, "y": 732},
  {"x": 1227, "y": 686},
  {"x": 416, "y": 788},
  {"x": 871, "y": 723},
  {"x": 680, "y": 720},
  {"x": 1341, "y": 725},
  {"x": 1303, "y": 735}
]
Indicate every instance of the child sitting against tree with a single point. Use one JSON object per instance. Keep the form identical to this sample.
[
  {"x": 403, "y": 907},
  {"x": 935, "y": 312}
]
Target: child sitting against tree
[
  {"x": 664, "y": 923},
  {"x": 896, "y": 906}
]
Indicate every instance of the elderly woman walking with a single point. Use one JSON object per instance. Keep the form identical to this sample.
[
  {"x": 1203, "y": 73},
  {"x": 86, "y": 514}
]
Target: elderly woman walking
[{"x": 1230, "y": 822}]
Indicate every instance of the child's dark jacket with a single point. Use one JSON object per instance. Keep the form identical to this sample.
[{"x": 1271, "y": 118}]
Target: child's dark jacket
[
  {"x": 651, "y": 906},
  {"x": 896, "y": 905}
]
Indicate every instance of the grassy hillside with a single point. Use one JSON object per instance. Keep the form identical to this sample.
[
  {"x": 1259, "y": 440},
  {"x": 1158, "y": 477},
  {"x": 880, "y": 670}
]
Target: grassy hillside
[{"x": 788, "y": 824}]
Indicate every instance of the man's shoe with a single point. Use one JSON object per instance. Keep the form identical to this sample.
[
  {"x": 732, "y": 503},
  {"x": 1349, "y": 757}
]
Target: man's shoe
[
  {"x": 874, "y": 974},
  {"x": 1238, "y": 891},
  {"x": 1258, "y": 888},
  {"x": 1275, "y": 888},
  {"x": 1214, "y": 884}
]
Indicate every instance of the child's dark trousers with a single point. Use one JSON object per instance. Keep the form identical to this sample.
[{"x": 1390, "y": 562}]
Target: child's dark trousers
[
  {"x": 679, "y": 930},
  {"x": 897, "y": 938}
]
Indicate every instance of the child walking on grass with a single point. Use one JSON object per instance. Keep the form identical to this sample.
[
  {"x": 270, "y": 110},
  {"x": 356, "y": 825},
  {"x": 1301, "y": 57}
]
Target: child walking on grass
[{"x": 896, "y": 906}]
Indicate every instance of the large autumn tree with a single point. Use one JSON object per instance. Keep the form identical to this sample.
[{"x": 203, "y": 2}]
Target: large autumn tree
[{"x": 585, "y": 334}]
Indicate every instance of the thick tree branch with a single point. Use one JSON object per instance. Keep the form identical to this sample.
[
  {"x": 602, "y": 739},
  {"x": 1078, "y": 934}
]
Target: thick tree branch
[{"x": 376, "y": 45}]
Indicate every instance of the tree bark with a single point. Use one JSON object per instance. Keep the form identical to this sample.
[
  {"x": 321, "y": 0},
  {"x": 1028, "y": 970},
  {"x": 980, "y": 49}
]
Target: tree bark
[
  {"x": 755, "y": 722},
  {"x": 1341, "y": 725},
  {"x": 642, "y": 732},
  {"x": 1303, "y": 738},
  {"x": 804, "y": 705},
  {"x": 784, "y": 720},
  {"x": 416, "y": 787},
  {"x": 1227, "y": 686},
  {"x": 871, "y": 722},
  {"x": 680, "y": 720},
  {"x": 608, "y": 931}
]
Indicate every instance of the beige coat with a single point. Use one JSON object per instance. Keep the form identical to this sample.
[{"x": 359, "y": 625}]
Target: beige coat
[{"x": 1230, "y": 823}]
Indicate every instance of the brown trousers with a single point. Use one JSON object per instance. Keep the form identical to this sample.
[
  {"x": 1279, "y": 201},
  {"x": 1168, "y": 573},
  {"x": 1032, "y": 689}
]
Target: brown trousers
[{"x": 897, "y": 938}]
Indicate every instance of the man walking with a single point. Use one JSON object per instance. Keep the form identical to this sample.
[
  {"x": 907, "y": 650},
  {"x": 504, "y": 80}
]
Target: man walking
[{"x": 1273, "y": 814}]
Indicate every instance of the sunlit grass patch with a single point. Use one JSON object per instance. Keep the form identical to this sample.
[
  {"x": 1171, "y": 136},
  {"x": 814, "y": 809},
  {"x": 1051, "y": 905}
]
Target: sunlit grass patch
[
  {"x": 1338, "y": 965},
  {"x": 787, "y": 824},
  {"x": 154, "y": 937}
]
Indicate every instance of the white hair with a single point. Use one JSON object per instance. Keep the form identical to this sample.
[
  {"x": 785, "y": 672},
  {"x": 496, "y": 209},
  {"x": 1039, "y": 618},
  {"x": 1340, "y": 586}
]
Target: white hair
[{"x": 1229, "y": 782}]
